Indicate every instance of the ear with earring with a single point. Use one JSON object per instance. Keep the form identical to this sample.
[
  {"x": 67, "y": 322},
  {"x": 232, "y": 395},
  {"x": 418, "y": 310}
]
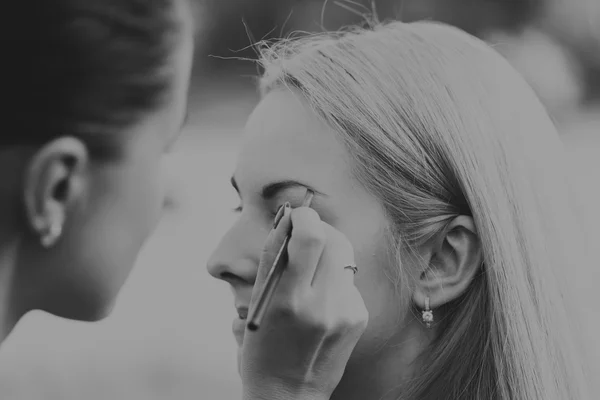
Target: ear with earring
[
  {"x": 427, "y": 314},
  {"x": 51, "y": 235}
]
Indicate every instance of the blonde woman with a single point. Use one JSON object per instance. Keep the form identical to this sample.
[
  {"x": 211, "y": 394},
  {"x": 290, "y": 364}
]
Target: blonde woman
[{"x": 441, "y": 167}]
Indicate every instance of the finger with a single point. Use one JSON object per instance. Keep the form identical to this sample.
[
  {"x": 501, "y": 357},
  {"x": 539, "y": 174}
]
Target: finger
[
  {"x": 337, "y": 255},
  {"x": 305, "y": 247},
  {"x": 273, "y": 243}
]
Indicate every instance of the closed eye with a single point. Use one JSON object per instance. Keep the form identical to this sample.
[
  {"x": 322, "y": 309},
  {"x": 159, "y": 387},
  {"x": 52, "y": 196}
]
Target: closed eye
[{"x": 270, "y": 192}]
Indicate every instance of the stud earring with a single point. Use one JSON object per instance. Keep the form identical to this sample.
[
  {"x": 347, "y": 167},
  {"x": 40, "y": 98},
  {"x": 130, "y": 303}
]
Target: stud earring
[{"x": 427, "y": 314}]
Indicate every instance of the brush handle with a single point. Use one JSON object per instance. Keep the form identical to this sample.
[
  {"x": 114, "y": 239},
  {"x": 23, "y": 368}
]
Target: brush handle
[
  {"x": 272, "y": 280},
  {"x": 257, "y": 314}
]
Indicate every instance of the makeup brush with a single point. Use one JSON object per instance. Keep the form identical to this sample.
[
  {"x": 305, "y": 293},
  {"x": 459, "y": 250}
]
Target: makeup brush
[{"x": 273, "y": 277}]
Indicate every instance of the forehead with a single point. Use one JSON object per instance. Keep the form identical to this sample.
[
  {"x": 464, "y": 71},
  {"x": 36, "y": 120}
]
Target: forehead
[{"x": 285, "y": 139}]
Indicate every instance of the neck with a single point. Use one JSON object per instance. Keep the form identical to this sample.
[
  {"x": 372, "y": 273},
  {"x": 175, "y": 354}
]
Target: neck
[
  {"x": 8, "y": 318},
  {"x": 13, "y": 161},
  {"x": 382, "y": 375}
]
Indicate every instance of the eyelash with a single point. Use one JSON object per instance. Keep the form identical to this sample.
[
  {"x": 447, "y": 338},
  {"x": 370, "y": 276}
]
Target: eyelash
[{"x": 239, "y": 209}]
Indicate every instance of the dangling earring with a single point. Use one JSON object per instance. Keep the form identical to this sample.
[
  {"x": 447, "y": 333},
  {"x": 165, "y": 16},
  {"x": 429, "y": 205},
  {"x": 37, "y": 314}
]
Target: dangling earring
[
  {"x": 427, "y": 314},
  {"x": 52, "y": 235}
]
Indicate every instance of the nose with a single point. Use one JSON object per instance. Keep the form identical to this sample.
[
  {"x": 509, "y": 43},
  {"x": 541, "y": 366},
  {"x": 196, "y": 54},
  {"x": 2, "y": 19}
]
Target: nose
[{"x": 236, "y": 258}]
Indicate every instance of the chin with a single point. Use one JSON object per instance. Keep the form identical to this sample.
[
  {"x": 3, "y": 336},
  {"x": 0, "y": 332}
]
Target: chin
[
  {"x": 80, "y": 314},
  {"x": 80, "y": 307},
  {"x": 97, "y": 314}
]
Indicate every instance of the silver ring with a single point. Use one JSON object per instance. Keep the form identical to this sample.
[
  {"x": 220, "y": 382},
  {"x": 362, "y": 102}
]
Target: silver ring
[{"x": 353, "y": 267}]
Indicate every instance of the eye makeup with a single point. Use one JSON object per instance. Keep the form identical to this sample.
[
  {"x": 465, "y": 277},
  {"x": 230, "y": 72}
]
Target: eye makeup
[{"x": 271, "y": 204}]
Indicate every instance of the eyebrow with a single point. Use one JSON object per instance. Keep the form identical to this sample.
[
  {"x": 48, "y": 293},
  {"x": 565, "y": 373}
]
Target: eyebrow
[{"x": 270, "y": 190}]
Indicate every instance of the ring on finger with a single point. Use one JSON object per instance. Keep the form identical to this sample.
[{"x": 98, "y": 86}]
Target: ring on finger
[{"x": 352, "y": 267}]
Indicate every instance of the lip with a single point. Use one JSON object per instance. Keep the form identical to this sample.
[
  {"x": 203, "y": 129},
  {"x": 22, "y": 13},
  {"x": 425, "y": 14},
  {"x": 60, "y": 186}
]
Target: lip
[
  {"x": 239, "y": 330},
  {"x": 242, "y": 312}
]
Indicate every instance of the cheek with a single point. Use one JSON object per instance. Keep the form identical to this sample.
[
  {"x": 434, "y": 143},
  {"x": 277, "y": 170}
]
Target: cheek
[
  {"x": 147, "y": 188},
  {"x": 127, "y": 212},
  {"x": 385, "y": 294},
  {"x": 361, "y": 218},
  {"x": 150, "y": 196}
]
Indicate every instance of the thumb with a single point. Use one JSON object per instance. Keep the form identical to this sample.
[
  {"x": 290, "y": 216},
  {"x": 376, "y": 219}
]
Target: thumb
[{"x": 282, "y": 227}]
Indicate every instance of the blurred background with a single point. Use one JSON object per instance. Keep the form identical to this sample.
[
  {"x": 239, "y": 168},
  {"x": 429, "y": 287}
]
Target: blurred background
[{"x": 169, "y": 335}]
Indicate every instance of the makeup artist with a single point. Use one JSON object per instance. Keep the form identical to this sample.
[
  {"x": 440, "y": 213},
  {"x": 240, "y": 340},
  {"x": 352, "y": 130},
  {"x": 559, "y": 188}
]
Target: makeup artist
[{"x": 96, "y": 94}]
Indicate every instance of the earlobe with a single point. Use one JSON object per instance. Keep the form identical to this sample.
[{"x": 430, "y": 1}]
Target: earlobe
[
  {"x": 53, "y": 233},
  {"x": 51, "y": 185},
  {"x": 453, "y": 262}
]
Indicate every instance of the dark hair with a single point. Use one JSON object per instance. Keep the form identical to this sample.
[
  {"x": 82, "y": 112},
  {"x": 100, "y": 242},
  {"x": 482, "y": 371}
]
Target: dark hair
[{"x": 82, "y": 68}]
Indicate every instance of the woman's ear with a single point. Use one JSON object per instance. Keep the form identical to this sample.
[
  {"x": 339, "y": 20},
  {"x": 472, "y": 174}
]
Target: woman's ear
[
  {"x": 54, "y": 181},
  {"x": 452, "y": 262}
]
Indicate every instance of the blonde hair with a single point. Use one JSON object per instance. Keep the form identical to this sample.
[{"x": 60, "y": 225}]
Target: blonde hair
[{"x": 438, "y": 125}]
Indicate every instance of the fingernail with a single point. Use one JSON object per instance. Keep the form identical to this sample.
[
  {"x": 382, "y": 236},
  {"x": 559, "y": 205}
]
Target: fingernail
[
  {"x": 283, "y": 209},
  {"x": 279, "y": 215}
]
